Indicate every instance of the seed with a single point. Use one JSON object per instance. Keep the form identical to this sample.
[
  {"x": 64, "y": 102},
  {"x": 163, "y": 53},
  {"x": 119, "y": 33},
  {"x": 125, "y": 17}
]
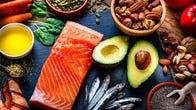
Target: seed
[
  {"x": 182, "y": 68},
  {"x": 180, "y": 76},
  {"x": 98, "y": 2},
  {"x": 164, "y": 61},
  {"x": 188, "y": 56},
  {"x": 181, "y": 54},
  {"x": 181, "y": 48},
  {"x": 187, "y": 74},
  {"x": 165, "y": 69},
  {"x": 98, "y": 15},
  {"x": 93, "y": 9},
  {"x": 176, "y": 60},
  {"x": 97, "y": 21},
  {"x": 191, "y": 67}
]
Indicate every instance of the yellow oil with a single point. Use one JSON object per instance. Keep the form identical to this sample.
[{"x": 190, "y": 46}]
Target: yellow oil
[{"x": 15, "y": 41}]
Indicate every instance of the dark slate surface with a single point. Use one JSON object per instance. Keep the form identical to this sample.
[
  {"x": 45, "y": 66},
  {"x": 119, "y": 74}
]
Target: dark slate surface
[{"x": 118, "y": 74}]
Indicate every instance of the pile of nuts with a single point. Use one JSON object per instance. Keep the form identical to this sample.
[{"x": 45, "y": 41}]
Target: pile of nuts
[
  {"x": 139, "y": 14},
  {"x": 182, "y": 61}
]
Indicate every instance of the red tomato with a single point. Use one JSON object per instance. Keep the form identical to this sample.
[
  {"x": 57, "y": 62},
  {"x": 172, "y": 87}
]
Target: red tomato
[
  {"x": 188, "y": 20},
  {"x": 178, "y": 4}
]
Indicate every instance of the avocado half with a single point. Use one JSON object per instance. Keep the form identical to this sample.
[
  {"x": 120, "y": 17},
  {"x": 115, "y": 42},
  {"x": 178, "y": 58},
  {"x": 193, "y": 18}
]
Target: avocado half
[
  {"x": 111, "y": 52},
  {"x": 135, "y": 75}
]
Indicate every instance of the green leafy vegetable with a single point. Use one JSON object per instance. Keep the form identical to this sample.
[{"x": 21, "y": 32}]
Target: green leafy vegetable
[
  {"x": 39, "y": 9},
  {"x": 53, "y": 25},
  {"x": 45, "y": 32},
  {"x": 42, "y": 35}
]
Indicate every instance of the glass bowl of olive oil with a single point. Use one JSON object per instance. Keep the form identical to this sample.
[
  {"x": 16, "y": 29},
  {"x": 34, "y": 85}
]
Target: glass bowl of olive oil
[{"x": 16, "y": 40}]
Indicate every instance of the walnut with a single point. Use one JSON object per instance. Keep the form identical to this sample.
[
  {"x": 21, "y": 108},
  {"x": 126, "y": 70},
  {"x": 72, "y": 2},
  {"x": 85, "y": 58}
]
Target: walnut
[
  {"x": 190, "y": 43},
  {"x": 148, "y": 24},
  {"x": 142, "y": 59}
]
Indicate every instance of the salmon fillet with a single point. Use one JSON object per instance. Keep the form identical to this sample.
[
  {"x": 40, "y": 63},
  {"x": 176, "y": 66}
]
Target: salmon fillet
[{"x": 65, "y": 68}]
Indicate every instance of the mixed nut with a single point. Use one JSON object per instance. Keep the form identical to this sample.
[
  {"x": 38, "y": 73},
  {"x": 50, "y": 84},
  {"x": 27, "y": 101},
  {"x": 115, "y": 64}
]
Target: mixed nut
[
  {"x": 139, "y": 14},
  {"x": 181, "y": 59}
]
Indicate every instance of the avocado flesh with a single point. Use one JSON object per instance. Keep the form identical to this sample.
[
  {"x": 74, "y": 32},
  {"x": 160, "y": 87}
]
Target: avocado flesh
[
  {"x": 111, "y": 51},
  {"x": 137, "y": 76}
]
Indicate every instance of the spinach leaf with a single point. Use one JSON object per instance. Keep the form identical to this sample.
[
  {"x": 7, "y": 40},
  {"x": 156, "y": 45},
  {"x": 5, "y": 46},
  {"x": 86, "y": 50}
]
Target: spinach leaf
[
  {"x": 53, "y": 25},
  {"x": 39, "y": 9},
  {"x": 43, "y": 36}
]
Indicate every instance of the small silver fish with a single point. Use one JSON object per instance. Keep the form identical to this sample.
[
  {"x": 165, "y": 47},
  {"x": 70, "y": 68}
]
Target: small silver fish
[
  {"x": 100, "y": 92},
  {"x": 94, "y": 88},
  {"x": 108, "y": 95}
]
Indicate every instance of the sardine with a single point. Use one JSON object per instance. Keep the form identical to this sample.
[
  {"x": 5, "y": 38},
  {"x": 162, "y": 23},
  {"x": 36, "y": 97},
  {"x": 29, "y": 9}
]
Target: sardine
[
  {"x": 86, "y": 98},
  {"x": 127, "y": 107},
  {"x": 94, "y": 88},
  {"x": 108, "y": 95},
  {"x": 125, "y": 100},
  {"x": 100, "y": 92}
]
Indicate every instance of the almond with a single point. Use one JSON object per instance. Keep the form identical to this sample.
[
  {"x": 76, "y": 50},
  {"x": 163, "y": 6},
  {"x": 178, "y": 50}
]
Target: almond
[
  {"x": 168, "y": 50},
  {"x": 165, "y": 69},
  {"x": 191, "y": 67},
  {"x": 164, "y": 61}
]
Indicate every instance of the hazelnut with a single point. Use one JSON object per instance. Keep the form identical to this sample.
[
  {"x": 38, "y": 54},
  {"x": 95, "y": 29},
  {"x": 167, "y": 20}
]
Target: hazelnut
[
  {"x": 127, "y": 22},
  {"x": 142, "y": 59}
]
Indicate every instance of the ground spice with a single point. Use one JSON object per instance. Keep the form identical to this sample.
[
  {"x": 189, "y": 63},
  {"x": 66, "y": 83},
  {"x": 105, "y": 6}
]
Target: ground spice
[
  {"x": 26, "y": 63},
  {"x": 160, "y": 101}
]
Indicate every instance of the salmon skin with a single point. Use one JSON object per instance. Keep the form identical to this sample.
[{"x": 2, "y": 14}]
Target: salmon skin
[{"x": 65, "y": 68}]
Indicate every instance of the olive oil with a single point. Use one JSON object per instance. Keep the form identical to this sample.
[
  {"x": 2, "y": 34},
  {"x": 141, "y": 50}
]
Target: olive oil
[{"x": 15, "y": 41}]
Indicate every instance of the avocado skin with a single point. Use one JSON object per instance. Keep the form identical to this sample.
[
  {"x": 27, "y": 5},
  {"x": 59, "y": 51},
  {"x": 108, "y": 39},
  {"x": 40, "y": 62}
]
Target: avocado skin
[
  {"x": 120, "y": 42},
  {"x": 136, "y": 76}
]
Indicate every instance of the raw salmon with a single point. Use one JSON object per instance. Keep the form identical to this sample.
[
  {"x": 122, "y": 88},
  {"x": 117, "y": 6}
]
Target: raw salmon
[{"x": 65, "y": 68}]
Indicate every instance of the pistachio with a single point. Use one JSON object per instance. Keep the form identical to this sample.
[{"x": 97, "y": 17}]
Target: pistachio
[
  {"x": 181, "y": 54},
  {"x": 188, "y": 56},
  {"x": 187, "y": 74},
  {"x": 142, "y": 59},
  {"x": 181, "y": 49},
  {"x": 182, "y": 68},
  {"x": 176, "y": 60},
  {"x": 180, "y": 76}
]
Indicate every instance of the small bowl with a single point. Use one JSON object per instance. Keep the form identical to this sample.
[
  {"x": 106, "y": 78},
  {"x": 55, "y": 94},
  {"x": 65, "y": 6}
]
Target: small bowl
[
  {"x": 18, "y": 44},
  {"x": 65, "y": 14},
  {"x": 164, "y": 84},
  {"x": 133, "y": 32}
]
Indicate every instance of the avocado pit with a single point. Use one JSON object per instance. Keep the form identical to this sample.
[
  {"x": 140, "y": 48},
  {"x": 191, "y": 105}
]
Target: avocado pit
[{"x": 142, "y": 59}]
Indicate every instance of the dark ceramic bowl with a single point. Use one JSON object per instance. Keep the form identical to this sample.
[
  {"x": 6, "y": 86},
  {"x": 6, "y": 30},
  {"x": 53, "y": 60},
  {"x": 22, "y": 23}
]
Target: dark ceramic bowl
[
  {"x": 164, "y": 84},
  {"x": 65, "y": 14}
]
